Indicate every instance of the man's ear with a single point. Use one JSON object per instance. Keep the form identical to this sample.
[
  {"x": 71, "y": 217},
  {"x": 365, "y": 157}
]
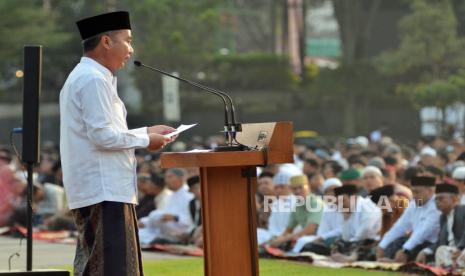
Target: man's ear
[{"x": 105, "y": 40}]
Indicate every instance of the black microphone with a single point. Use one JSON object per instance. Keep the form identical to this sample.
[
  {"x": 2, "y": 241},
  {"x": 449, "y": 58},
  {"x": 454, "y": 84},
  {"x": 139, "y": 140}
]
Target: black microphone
[{"x": 232, "y": 126}]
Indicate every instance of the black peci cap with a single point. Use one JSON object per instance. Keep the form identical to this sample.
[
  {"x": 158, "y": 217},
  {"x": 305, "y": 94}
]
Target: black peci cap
[
  {"x": 447, "y": 188},
  {"x": 386, "y": 190},
  {"x": 346, "y": 190},
  {"x": 423, "y": 181},
  {"x": 191, "y": 181},
  {"x": 98, "y": 24}
]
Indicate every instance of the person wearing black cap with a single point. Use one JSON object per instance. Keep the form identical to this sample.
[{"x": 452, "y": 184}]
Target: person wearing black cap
[
  {"x": 97, "y": 150},
  {"x": 172, "y": 223},
  {"x": 153, "y": 194},
  {"x": 195, "y": 209},
  {"x": 451, "y": 239},
  {"x": 395, "y": 203},
  {"x": 421, "y": 218},
  {"x": 195, "y": 204},
  {"x": 360, "y": 230}
]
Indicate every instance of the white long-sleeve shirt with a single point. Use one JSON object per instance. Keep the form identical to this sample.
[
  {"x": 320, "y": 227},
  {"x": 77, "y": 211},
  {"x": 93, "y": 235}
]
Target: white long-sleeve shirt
[
  {"x": 177, "y": 205},
  {"x": 162, "y": 198},
  {"x": 363, "y": 224},
  {"x": 422, "y": 221},
  {"x": 330, "y": 224},
  {"x": 281, "y": 211},
  {"x": 97, "y": 148}
]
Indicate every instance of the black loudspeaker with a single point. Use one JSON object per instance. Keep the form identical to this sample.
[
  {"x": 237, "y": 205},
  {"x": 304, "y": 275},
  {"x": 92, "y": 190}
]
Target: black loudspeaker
[
  {"x": 31, "y": 145},
  {"x": 31, "y": 97}
]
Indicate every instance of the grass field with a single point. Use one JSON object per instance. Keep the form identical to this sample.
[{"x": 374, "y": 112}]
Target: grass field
[{"x": 194, "y": 267}]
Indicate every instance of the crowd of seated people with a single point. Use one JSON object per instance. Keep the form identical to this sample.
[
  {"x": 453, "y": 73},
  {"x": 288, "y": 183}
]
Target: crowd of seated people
[
  {"x": 381, "y": 201},
  {"x": 358, "y": 199}
]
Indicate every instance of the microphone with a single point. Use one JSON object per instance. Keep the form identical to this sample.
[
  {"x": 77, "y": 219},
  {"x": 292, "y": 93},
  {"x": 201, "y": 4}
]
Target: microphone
[{"x": 230, "y": 128}]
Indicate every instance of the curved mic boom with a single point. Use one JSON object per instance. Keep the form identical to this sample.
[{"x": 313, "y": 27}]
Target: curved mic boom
[
  {"x": 233, "y": 125},
  {"x": 198, "y": 85}
]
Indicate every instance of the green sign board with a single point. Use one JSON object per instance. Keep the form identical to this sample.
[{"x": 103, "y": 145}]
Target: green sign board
[{"x": 323, "y": 47}]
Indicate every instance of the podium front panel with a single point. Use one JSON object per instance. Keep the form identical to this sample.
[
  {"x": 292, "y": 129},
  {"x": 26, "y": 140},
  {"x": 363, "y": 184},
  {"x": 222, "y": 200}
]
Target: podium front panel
[{"x": 229, "y": 221}]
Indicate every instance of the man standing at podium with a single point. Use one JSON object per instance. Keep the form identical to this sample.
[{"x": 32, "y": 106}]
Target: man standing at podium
[{"x": 97, "y": 151}]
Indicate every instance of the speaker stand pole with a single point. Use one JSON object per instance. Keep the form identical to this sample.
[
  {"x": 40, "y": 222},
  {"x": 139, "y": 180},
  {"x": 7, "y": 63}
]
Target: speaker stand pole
[{"x": 30, "y": 190}]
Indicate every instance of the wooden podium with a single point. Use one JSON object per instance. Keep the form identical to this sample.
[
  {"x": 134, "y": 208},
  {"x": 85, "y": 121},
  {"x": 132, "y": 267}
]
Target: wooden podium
[{"x": 228, "y": 186}]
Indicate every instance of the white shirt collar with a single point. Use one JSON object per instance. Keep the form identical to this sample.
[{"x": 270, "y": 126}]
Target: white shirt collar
[
  {"x": 451, "y": 213},
  {"x": 98, "y": 66},
  {"x": 428, "y": 203}
]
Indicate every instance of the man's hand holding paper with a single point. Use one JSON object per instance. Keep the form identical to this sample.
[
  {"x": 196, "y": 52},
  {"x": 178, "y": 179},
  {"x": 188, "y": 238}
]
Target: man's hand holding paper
[{"x": 179, "y": 130}]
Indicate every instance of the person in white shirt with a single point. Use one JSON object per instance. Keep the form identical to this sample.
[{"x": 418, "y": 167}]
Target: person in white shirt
[
  {"x": 304, "y": 218},
  {"x": 330, "y": 227},
  {"x": 174, "y": 222},
  {"x": 459, "y": 180},
  {"x": 53, "y": 200},
  {"x": 361, "y": 226},
  {"x": 195, "y": 209},
  {"x": 372, "y": 178},
  {"x": 153, "y": 193},
  {"x": 451, "y": 239},
  {"x": 280, "y": 208},
  {"x": 331, "y": 221},
  {"x": 421, "y": 219},
  {"x": 97, "y": 150}
]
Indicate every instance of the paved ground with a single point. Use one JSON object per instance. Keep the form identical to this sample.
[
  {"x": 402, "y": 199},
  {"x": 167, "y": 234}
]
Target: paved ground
[{"x": 49, "y": 255}]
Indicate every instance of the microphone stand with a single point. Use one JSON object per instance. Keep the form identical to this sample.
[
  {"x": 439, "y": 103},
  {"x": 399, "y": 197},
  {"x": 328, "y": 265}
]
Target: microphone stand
[{"x": 230, "y": 129}]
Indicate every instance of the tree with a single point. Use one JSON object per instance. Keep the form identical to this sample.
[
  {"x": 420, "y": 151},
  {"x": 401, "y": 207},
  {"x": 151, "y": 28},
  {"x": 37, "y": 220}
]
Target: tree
[
  {"x": 355, "y": 20},
  {"x": 176, "y": 35},
  {"x": 27, "y": 22},
  {"x": 429, "y": 55},
  {"x": 253, "y": 23}
]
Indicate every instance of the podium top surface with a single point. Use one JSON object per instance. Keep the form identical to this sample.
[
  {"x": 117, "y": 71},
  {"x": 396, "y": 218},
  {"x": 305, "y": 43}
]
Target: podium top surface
[
  {"x": 223, "y": 159},
  {"x": 275, "y": 137}
]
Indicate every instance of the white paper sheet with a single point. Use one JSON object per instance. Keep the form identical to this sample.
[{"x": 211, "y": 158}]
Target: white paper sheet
[
  {"x": 180, "y": 129},
  {"x": 199, "y": 150}
]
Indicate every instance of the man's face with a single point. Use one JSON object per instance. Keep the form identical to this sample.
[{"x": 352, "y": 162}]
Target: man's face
[
  {"x": 309, "y": 169},
  {"x": 195, "y": 189},
  {"x": 328, "y": 172},
  {"x": 330, "y": 190},
  {"x": 329, "y": 194},
  {"x": 281, "y": 190},
  {"x": 347, "y": 201},
  {"x": 46, "y": 165},
  {"x": 39, "y": 195},
  {"x": 421, "y": 194},
  {"x": 445, "y": 202},
  {"x": 427, "y": 160},
  {"x": 120, "y": 49},
  {"x": 173, "y": 181},
  {"x": 316, "y": 182},
  {"x": 265, "y": 186},
  {"x": 371, "y": 181},
  {"x": 299, "y": 190},
  {"x": 143, "y": 182}
]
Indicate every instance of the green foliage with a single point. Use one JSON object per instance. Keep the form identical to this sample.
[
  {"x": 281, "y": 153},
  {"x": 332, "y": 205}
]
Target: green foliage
[
  {"x": 441, "y": 92},
  {"x": 361, "y": 80},
  {"x": 22, "y": 23},
  {"x": 67, "y": 55},
  {"x": 176, "y": 35},
  {"x": 429, "y": 53},
  {"x": 250, "y": 71}
]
